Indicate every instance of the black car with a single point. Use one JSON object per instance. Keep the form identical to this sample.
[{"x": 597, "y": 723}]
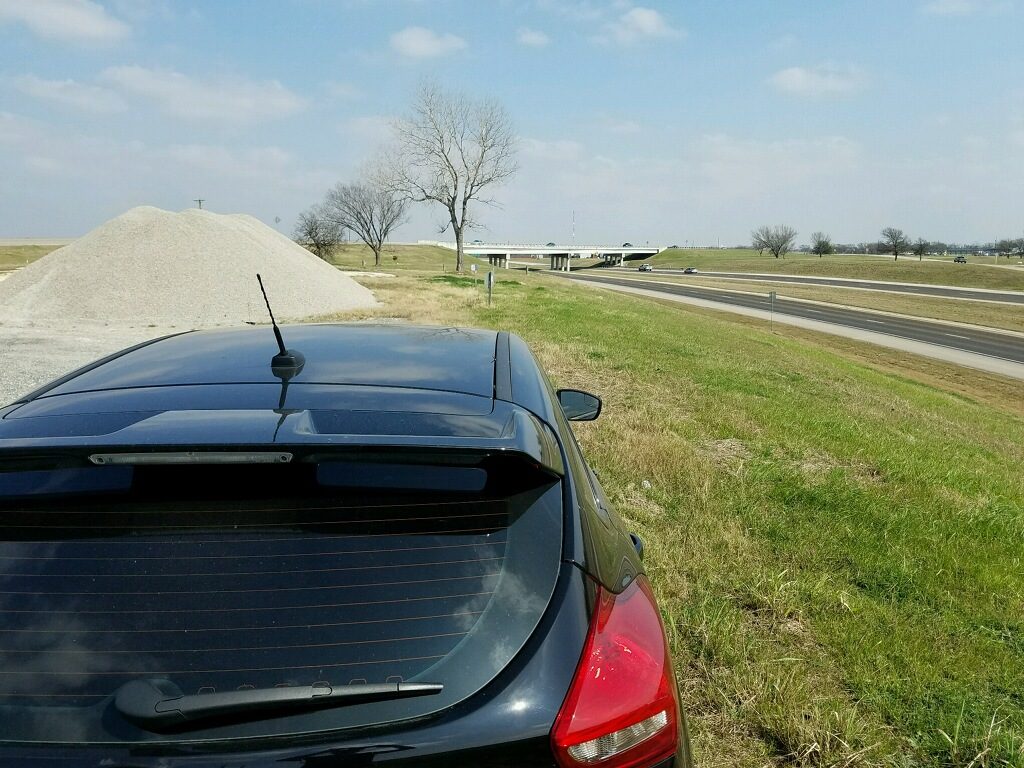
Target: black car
[
  {"x": 960, "y": 260},
  {"x": 690, "y": 271},
  {"x": 380, "y": 545}
]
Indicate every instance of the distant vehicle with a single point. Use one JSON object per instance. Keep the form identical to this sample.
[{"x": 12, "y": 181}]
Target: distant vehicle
[
  {"x": 627, "y": 245},
  {"x": 550, "y": 245},
  {"x": 960, "y": 260},
  {"x": 690, "y": 271},
  {"x": 645, "y": 268},
  {"x": 476, "y": 242},
  {"x": 673, "y": 246}
]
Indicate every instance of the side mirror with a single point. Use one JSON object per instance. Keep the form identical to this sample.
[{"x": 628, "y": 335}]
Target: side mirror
[
  {"x": 638, "y": 545},
  {"x": 578, "y": 405}
]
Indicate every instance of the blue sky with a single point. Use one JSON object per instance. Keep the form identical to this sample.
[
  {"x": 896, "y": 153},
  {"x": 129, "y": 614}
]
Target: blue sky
[{"x": 654, "y": 121}]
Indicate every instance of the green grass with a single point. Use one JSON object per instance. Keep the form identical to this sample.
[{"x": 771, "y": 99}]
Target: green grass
[
  {"x": 907, "y": 269},
  {"x": 837, "y": 549},
  {"x": 424, "y": 258},
  {"x": 14, "y": 256}
]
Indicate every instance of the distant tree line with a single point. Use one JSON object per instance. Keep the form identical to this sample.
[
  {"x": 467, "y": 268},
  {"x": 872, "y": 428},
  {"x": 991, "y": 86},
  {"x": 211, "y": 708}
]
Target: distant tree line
[{"x": 780, "y": 240}]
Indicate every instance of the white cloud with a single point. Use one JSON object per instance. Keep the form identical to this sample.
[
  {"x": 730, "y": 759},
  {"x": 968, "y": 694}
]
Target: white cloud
[
  {"x": 559, "y": 149},
  {"x": 735, "y": 168},
  {"x": 423, "y": 43},
  {"x": 823, "y": 80},
  {"x": 143, "y": 10},
  {"x": 532, "y": 38},
  {"x": 621, "y": 127},
  {"x": 77, "y": 21},
  {"x": 785, "y": 43},
  {"x": 80, "y": 178},
  {"x": 368, "y": 129},
  {"x": 636, "y": 25},
  {"x": 70, "y": 93},
  {"x": 225, "y": 100},
  {"x": 342, "y": 91}
]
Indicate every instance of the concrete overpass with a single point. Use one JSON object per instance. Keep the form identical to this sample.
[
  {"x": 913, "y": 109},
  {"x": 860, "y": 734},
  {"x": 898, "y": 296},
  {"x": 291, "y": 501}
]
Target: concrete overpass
[{"x": 501, "y": 254}]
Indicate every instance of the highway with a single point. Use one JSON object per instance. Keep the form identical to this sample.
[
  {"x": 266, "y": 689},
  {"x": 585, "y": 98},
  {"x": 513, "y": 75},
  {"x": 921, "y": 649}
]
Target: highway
[
  {"x": 958, "y": 337},
  {"x": 941, "y": 291}
]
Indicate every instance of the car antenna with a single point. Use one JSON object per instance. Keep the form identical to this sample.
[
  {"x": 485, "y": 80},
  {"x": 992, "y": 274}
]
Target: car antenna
[
  {"x": 287, "y": 363},
  {"x": 285, "y": 358}
]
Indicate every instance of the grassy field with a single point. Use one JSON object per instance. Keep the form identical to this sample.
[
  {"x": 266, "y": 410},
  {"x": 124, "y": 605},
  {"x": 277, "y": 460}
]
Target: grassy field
[
  {"x": 14, "y": 256},
  {"x": 906, "y": 270},
  {"x": 415, "y": 257},
  {"x": 834, "y": 529},
  {"x": 1004, "y": 316},
  {"x": 425, "y": 258}
]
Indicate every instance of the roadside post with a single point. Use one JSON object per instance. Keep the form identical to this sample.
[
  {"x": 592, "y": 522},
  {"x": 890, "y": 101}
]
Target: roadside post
[
  {"x": 771, "y": 313},
  {"x": 472, "y": 268},
  {"x": 490, "y": 286}
]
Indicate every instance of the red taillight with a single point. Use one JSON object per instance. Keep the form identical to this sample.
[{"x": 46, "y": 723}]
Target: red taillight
[{"x": 621, "y": 711}]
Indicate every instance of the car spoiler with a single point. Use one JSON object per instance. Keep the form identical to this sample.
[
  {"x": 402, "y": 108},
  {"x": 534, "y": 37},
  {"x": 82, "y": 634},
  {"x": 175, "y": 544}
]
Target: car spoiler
[{"x": 245, "y": 436}]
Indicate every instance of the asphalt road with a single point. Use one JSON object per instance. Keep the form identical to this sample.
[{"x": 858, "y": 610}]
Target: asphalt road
[
  {"x": 965, "y": 339},
  {"x": 945, "y": 292}
]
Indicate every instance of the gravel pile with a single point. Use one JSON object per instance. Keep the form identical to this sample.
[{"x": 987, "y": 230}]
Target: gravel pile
[{"x": 193, "y": 269}]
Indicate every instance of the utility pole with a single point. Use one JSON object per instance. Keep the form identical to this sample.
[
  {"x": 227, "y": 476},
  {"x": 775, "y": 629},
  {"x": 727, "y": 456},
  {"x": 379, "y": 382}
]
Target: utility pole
[{"x": 199, "y": 200}]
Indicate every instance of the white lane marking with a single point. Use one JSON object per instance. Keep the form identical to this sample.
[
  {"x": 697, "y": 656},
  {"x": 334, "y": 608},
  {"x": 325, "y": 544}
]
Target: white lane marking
[
  {"x": 869, "y": 320},
  {"x": 958, "y": 336}
]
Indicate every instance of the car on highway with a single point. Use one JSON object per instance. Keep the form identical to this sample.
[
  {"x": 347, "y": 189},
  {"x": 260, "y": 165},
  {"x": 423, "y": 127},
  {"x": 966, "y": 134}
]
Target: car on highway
[
  {"x": 960, "y": 260},
  {"x": 322, "y": 544},
  {"x": 645, "y": 268},
  {"x": 690, "y": 271}
]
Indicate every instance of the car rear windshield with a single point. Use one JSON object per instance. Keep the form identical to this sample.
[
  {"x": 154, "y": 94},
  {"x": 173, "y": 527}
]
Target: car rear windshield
[{"x": 220, "y": 578}]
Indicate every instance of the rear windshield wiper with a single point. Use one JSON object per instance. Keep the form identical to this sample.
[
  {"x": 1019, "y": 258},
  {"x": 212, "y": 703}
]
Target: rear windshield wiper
[{"x": 158, "y": 705}]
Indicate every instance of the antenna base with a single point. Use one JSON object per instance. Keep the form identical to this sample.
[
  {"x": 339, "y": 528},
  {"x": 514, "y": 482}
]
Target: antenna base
[{"x": 287, "y": 364}]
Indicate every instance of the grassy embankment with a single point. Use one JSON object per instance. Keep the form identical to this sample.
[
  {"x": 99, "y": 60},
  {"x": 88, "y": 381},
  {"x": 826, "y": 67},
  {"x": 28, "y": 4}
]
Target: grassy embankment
[
  {"x": 907, "y": 270},
  {"x": 837, "y": 545},
  {"x": 1004, "y": 316}
]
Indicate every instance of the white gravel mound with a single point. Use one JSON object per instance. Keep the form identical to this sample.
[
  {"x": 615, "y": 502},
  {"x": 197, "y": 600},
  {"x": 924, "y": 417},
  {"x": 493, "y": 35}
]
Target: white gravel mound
[{"x": 195, "y": 269}]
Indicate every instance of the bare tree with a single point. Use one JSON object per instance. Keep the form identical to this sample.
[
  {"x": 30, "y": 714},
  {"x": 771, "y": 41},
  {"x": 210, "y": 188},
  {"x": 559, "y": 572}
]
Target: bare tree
[
  {"x": 370, "y": 207},
  {"x": 318, "y": 232},
  {"x": 821, "y": 244},
  {"x": 896, "y": 241},
  {"x": 920, "y": 248},
  {"x": 452, "y": 151},
  {"x": 759, "y": 238},
  {"x": 778, "y": 241}
]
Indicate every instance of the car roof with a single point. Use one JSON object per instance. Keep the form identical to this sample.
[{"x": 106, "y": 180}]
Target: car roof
[
  {"x": 361, "y": 386},
  {"x": 397, "y": 356}
]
